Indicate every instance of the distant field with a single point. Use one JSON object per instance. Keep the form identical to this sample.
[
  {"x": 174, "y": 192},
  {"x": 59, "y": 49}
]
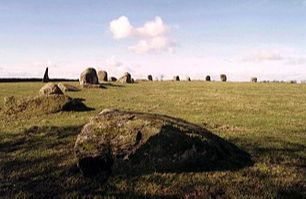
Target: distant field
[{"x": 266, "y": 120}]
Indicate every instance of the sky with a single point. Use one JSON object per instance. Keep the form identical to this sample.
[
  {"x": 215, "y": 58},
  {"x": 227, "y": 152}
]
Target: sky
[{"x": 240, "y": 38}]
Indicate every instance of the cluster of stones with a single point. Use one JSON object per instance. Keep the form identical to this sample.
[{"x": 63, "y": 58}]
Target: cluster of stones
[
  {"x": 56, "y": 89},
  {"x": 120, "y": 142},
  {"x": 91, "y": 77}
]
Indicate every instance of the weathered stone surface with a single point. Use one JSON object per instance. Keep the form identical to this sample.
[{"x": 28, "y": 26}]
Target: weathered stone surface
[
  {"x": 134, "y": 143},
  {"x": 102, "y": 76},
  {"x": 67, "y": 87},
  {"x": 89, "y": 76},
  {"x": 223, "y": 77},
  {"x": 126, "y": 78},
  {"x": 50, "y": 89}
]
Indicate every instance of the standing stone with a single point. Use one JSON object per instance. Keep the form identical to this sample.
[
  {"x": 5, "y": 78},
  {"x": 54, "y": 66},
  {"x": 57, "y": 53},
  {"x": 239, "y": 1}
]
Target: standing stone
[
  {"x": 188, "y": 79},
  {"x": 126, "y": 78},
  {"x": 46, "y": 76},
  {"x": 223, "y": 77},
  {"x": 89, "y": 76},
  {"x": 102, "y": 76},
  {"x": 208, "y": 79},
  {"x": 254, "y": 79},
  {"x": 176, "y": 78},
  {"x": 150, "y": 78}
]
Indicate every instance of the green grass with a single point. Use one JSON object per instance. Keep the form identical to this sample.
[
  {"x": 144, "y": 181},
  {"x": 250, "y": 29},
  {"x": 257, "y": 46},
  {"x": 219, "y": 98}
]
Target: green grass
[{"x": 266, "y": 120}]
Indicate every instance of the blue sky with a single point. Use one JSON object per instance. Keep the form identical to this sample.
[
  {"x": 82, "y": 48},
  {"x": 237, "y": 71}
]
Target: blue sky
[{"x": 242, "y": 38}]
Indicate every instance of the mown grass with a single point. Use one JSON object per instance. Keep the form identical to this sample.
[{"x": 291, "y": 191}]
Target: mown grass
[{"x": 266, "y": 120}]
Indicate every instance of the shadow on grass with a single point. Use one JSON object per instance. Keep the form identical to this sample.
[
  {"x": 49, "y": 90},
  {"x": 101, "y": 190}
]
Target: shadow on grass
[
  {"x": 76, "y": 104},
  {"x": 274, "y": 150},
  {"x": 106, "y": 85},
  {"x": 37, "y": 161}
]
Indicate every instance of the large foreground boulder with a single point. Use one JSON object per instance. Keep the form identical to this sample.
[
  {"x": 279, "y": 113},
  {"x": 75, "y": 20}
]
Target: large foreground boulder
[
  {"x": 121, "y": 142},
  {"x": 89, "y": 76},
  {"x": 126, "y": 78},
  {"x": 50, "y": 89},
  {"x": 102, "y": 76}
]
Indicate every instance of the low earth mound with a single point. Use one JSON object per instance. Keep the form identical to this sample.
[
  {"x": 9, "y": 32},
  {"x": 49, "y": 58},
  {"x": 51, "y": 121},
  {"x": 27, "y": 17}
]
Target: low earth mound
[
  {"x": 50, "y": 89},
  {"x": 67, "y": 87},
  {"x": 43, "y": 104},
  {"x": 137, "y": 143}
]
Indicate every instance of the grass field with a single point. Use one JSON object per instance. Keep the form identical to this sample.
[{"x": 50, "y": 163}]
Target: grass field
[{"x": 266, "y": 120}]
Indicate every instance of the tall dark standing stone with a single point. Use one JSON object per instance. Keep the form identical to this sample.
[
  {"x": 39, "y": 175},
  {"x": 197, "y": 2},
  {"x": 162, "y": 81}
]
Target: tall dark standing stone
[
  {"x": 150, "y": 78},
  {"x": 46, "y": 76}
]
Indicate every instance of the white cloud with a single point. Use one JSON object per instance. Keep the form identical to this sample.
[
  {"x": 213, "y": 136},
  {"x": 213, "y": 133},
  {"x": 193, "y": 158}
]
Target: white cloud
[
  {"x": 285, "y": 56},
  {"x": 152, "y": 28},
  {"x": 154, "y": 45},
  {"x": 152, "y": 36},
  {"x": 264, "y": 55},
  {"x": 296, "y": 60},
  {"x": 121, "y": 28}
]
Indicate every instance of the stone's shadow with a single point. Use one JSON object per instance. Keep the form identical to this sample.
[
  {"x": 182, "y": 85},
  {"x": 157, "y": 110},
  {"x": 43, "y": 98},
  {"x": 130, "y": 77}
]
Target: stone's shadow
[
  {"x": 282, "y": 150},
  {"x": 93, "y": 86},
  {"x": 106, "y": 85},
  {"x": 76, "y": 104},
  {"x": 103, "y": 85}
]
